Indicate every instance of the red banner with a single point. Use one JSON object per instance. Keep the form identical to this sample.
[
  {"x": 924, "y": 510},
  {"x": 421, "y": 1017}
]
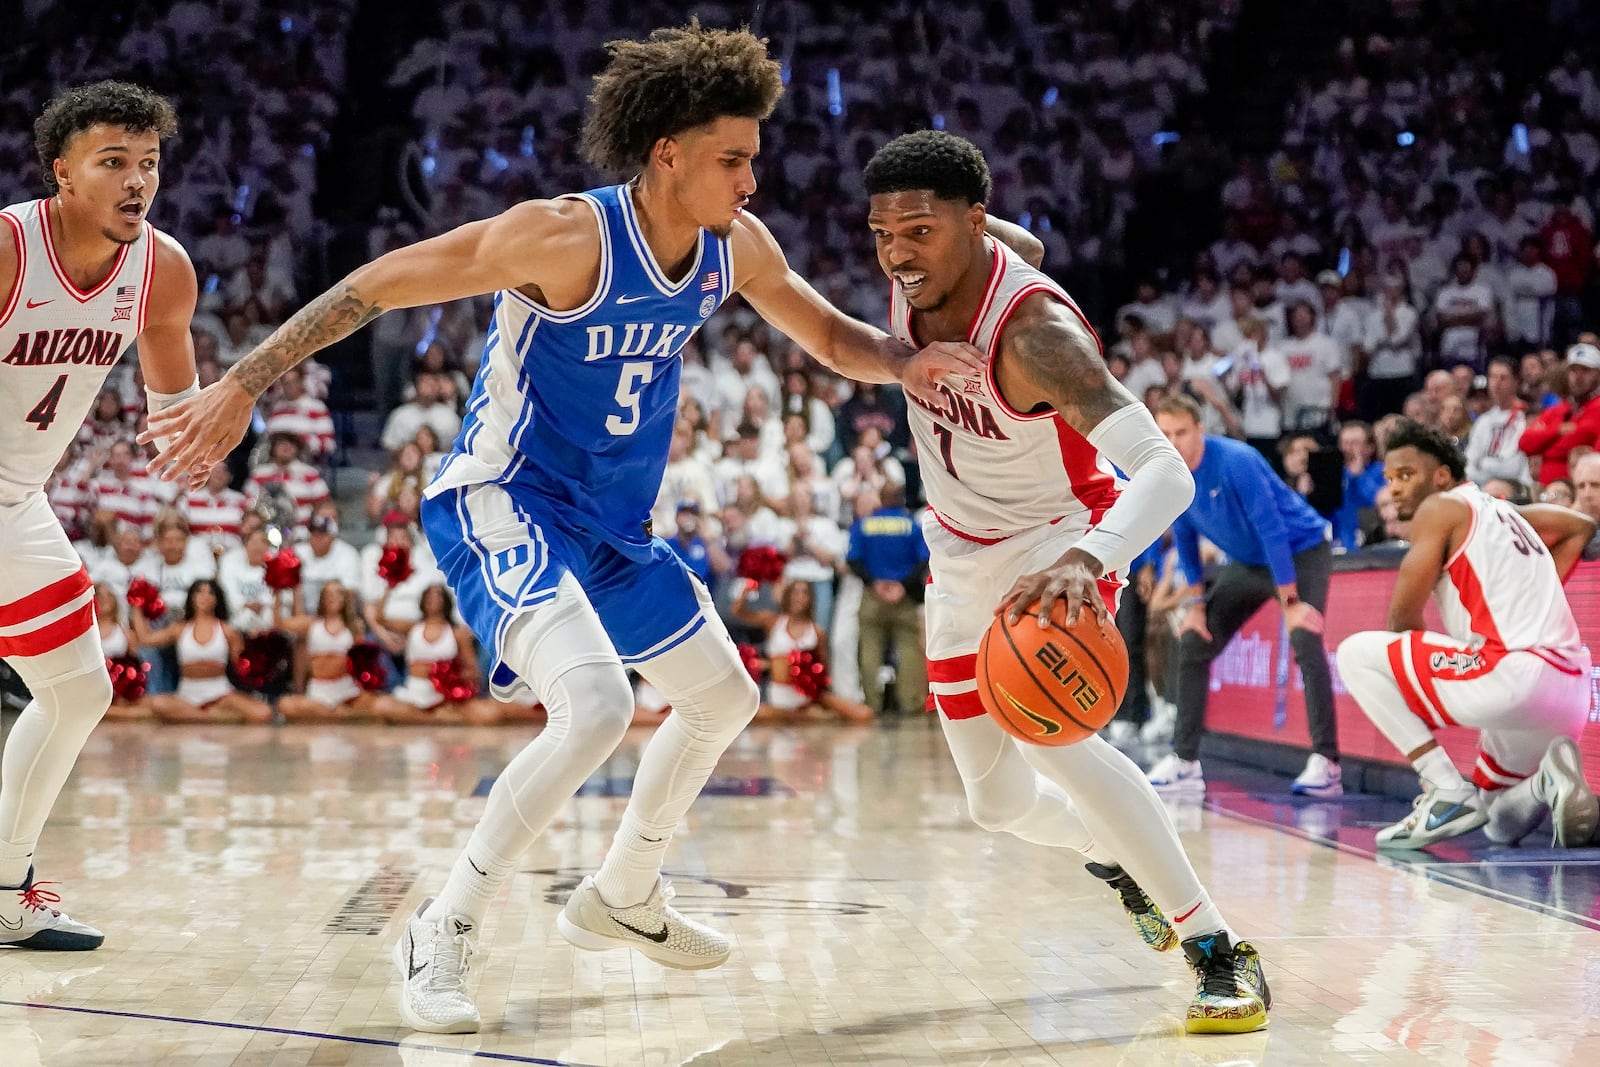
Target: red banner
[{"x": 1257, "y": 691}]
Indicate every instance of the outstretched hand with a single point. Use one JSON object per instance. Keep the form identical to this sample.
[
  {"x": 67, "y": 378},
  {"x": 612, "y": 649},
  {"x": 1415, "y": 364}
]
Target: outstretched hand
[
  {"x": 943, "y": 359},
  {"x": 200, "y": 431}
]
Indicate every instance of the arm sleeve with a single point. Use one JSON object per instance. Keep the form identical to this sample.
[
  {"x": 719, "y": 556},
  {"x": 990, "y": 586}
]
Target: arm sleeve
[
  {"x": 1160, "y": 487},
  {"x": 1248, "y": 482}
]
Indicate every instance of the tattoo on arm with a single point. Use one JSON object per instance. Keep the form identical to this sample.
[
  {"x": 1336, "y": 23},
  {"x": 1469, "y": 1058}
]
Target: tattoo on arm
[
  {"x": 334, "y": 315},
  {"x": 1058, "y": 356}
]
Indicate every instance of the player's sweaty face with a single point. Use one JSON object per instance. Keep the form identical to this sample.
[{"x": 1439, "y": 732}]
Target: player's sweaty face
[
  {"x": 924, "y": 243},
  {"x": 718, "y": 175},
  {"x": 113, "y": 173}
]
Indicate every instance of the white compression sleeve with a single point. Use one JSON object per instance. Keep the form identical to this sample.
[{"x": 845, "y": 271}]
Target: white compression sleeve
[
  {"x": 162, "y": 401},
  {"x": 1160, "y": 487}
]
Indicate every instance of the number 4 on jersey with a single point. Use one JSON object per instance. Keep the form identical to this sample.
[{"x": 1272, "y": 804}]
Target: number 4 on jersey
[{"x": 44, "y": 412}]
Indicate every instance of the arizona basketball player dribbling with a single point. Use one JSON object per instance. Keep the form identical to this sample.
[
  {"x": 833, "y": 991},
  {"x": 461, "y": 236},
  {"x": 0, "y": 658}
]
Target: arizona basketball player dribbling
[
  {"x": 1023, "y": 507},
  {"x": 82, "y": 275},
  {"x": 1511, "y": 662},
  {"x": 539, "y": 514}
]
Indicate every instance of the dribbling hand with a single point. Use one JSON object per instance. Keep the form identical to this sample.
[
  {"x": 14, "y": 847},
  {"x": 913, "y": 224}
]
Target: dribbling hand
[
  {"x": 1075, "y": 578},
  {"x": 924, "y": 371}
]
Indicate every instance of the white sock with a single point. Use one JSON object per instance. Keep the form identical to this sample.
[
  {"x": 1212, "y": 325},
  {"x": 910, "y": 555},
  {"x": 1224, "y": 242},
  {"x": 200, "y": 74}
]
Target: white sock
[
  {"x": 632, "y": 865},
  {"x": 1200, "y": 916},
  {"x": 15, "y": 859},
  {"x": 1435, "y": 769},
  {"x": 477, "y": 875}
]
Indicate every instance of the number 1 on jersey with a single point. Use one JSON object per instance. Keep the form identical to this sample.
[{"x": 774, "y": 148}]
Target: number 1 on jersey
[
  {"x": 44, "y": 412},
  {"x": 944, "y": 434}
]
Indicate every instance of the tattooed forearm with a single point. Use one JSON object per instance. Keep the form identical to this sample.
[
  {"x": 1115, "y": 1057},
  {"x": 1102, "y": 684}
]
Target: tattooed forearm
[{"x": 334, "y": 315}]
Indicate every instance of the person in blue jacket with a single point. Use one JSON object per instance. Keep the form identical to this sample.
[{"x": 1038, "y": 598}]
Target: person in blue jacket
[
  {"x": 1362, "y": 477},
  {"x": 1277, "y": 546}
]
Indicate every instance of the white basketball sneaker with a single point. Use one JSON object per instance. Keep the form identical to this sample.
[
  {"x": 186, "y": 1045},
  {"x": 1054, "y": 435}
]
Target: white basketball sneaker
[
  {"x": 1435, "y": 817},
  {"x": 655, "y": 928},
  {"x": 1559, "y": 783},
  {"x": 1173, "y": 776},
  {"x": 28, "y": 920},
  {"x": 433, "y": 958},
  {"x": 1321, "y": 778}
]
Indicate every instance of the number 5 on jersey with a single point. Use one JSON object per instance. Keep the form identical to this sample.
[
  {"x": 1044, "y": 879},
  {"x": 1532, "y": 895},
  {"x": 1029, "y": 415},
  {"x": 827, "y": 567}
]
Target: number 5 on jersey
[{"x": 635, "y": 375}]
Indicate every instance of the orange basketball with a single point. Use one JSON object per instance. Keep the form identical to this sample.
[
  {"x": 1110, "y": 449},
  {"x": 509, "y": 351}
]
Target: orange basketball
[{"x": 1052, "y": 685}]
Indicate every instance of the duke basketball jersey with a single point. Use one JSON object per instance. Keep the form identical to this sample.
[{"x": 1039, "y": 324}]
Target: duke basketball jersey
[
  {"x": 57, "y": 344},
  {"x": 1501, "y": 584},
  {"x": 990, "y": 471},
  {"x": 577, "y": 407}
]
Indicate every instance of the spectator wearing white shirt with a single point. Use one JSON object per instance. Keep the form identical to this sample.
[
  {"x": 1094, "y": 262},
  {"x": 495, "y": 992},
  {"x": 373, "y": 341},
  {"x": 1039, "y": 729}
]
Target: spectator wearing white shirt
[
  {"x": 814, "y": 543},
  {"x": 1207, "y": 303},
  {"x": 743, "y": 456},
  {"x": 1464, "y": 315},
  {"x": 291, "y": 411},
  {"x": 1394, "y": 347},
  {"x": 1201, "y": 378},
  {"x": 1293, "y": 285},
  {"x": 1228, "y": 333},
  {"x": 1258, "y": 376},
  {"x": 1530, "y": 298},
  {"x": 174, "y": 563},
  {"x": 1492, "y": 447},
  {"x": 686, "y": 479},
  {"x": 1343, "y": 317},
  {"x": 242, "y": 574},
  {"x": 1151, "y": 307},
  {"x": 325, "y": 557},
  {"x": 1231, "y": 250},
  {"x": 391, "y": 610},
  {"x": 116, "y": 566},
  {"x": 734, "y": 375},
  {"x": 426, "y": 408},
  {"x": 1316, "y": 372}
]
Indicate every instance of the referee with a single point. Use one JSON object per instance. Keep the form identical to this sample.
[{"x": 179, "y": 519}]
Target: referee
[{"x": 1277, "y": 546}]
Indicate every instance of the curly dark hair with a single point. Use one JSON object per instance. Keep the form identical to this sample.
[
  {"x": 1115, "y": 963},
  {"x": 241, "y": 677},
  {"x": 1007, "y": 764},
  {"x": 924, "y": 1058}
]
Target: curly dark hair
[
  {"x": 680, "y": 78},
  {"x": 110, "y": 102},
  {"x": 1408, "y": 433},
  {"x": 951, "y": 167}
]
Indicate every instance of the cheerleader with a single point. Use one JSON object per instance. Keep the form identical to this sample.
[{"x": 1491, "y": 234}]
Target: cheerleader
[
  {"x": 436, "y": 638},
  {"x": 330, "y": 692},
  {"x": 117, "y": 641},
  {"x": 793, "y": 628},
  {"x": 206, "y": 644}
]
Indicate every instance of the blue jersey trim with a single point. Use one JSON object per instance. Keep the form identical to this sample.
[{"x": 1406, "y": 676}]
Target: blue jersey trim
[{"x": 648, "y": 258}]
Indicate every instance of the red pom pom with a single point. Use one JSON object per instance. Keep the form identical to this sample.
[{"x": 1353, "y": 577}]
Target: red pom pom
[
  {"x": 367, "y": 667},
  {"x": 283, "y": 569},
  {"x": 754, "y": 661},
  {"x": 808, "y": 674},
  {"x": 762, "y": 563},
  {"x": 129, "y": 677},
  {"x": 146, "y": 596},
  {"x": 394, "y": 565},
  {"x": 263, "y": 661},
  {"x": 447, "y": 679}
]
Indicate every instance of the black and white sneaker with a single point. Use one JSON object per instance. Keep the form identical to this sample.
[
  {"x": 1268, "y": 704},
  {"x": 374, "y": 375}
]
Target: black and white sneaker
[{"x": 28, "y": 919}]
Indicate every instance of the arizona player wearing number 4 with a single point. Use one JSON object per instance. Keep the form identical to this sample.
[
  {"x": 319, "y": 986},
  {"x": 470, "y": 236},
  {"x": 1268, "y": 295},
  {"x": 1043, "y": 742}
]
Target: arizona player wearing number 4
[
  {"x": 1023, "y": 507},
  {"x": 540, "y": 514},
  {"x": 82, "y": 274},
  {"x": 1511, "y": 662}
]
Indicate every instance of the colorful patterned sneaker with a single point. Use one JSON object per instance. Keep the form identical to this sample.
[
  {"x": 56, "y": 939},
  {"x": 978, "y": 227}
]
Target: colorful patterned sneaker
[
  {"x": 1231, "y": 994},
  {"x": 27, "y": 920},
  {"x": 654, "y": 928},
  {"x": 1434, "y": 818},
  {"x": 1151, "y": 925},
  {"x": 433, "y": 958}
]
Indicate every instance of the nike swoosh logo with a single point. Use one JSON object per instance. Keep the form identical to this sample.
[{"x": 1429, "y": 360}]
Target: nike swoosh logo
[
  {"x": 475, "y": 867},
  {"x": 411, "y": 958},
  {"x": 40, "y": 303},
  {"x": 9, "y": 925},
  {"x": 1436, "y": 820},
  {"x": 632, "y": 299},
  {"x": 1047, "y": 728},
  {"x": 659, "y": 937}
]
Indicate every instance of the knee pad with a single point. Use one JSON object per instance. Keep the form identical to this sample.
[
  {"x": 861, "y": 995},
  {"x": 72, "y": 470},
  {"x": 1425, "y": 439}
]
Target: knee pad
[
  {"x": 723, "y": 705},
  {"x": 590, "y": 703}
]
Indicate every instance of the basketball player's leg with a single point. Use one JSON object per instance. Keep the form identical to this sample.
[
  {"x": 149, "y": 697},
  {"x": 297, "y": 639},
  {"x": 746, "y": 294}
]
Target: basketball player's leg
[{"x": 684, "y": 649}]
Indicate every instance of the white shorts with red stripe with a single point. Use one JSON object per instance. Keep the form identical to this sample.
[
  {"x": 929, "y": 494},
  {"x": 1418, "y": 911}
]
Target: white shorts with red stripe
[
  {"x": 969, "y": 578},
  {"x": 1521, "y": 700},
  {"x": 47, "y": 622}
]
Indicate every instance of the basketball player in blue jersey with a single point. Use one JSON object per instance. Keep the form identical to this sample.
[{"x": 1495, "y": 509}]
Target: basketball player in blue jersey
[{"x": 539, "y": 514}]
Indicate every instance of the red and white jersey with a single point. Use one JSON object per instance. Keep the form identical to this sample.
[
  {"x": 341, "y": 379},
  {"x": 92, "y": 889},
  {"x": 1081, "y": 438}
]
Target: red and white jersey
[
  {"x": 57, "y": 344},
  {"x": 214, "y": 517},
  {"x": 1501, "y": 584},
  {"x": 989, "y": 471},
  {"x": 308, "y": 419}
]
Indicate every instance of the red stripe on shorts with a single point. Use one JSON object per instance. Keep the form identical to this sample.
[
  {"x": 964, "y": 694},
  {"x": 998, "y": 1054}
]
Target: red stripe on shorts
[
  {"x": 57, "y": 594},
  {"x": 957, "y": 706},
  {"x": 51, "y": 636}
]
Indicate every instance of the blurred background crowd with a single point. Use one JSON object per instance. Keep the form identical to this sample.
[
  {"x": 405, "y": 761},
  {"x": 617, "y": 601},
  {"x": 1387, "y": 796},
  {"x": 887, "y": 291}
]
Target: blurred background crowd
[{"x": 1394, "y": 213}]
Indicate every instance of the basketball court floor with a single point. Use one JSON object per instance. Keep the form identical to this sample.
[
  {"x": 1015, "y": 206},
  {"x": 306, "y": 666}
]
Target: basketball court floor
[{"x": 250, "y": 882}]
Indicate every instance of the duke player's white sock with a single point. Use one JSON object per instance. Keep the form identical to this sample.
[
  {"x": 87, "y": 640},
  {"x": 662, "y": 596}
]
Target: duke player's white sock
[
  {"x": 540, "y": 779},
  {"x": 677, "y": 760},
  {"x": 39, "y": 754}
]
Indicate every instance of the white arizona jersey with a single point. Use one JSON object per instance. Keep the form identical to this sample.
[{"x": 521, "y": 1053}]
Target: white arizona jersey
[
  {"x": 1501, "y": 584},
  {"x": 990, "y": 471},
  {"x": 57, "y": 344}
]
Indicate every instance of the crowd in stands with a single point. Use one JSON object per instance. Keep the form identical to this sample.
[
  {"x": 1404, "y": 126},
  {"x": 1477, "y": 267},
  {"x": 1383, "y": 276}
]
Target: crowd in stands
[{"x": 1417, "y": 236}]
